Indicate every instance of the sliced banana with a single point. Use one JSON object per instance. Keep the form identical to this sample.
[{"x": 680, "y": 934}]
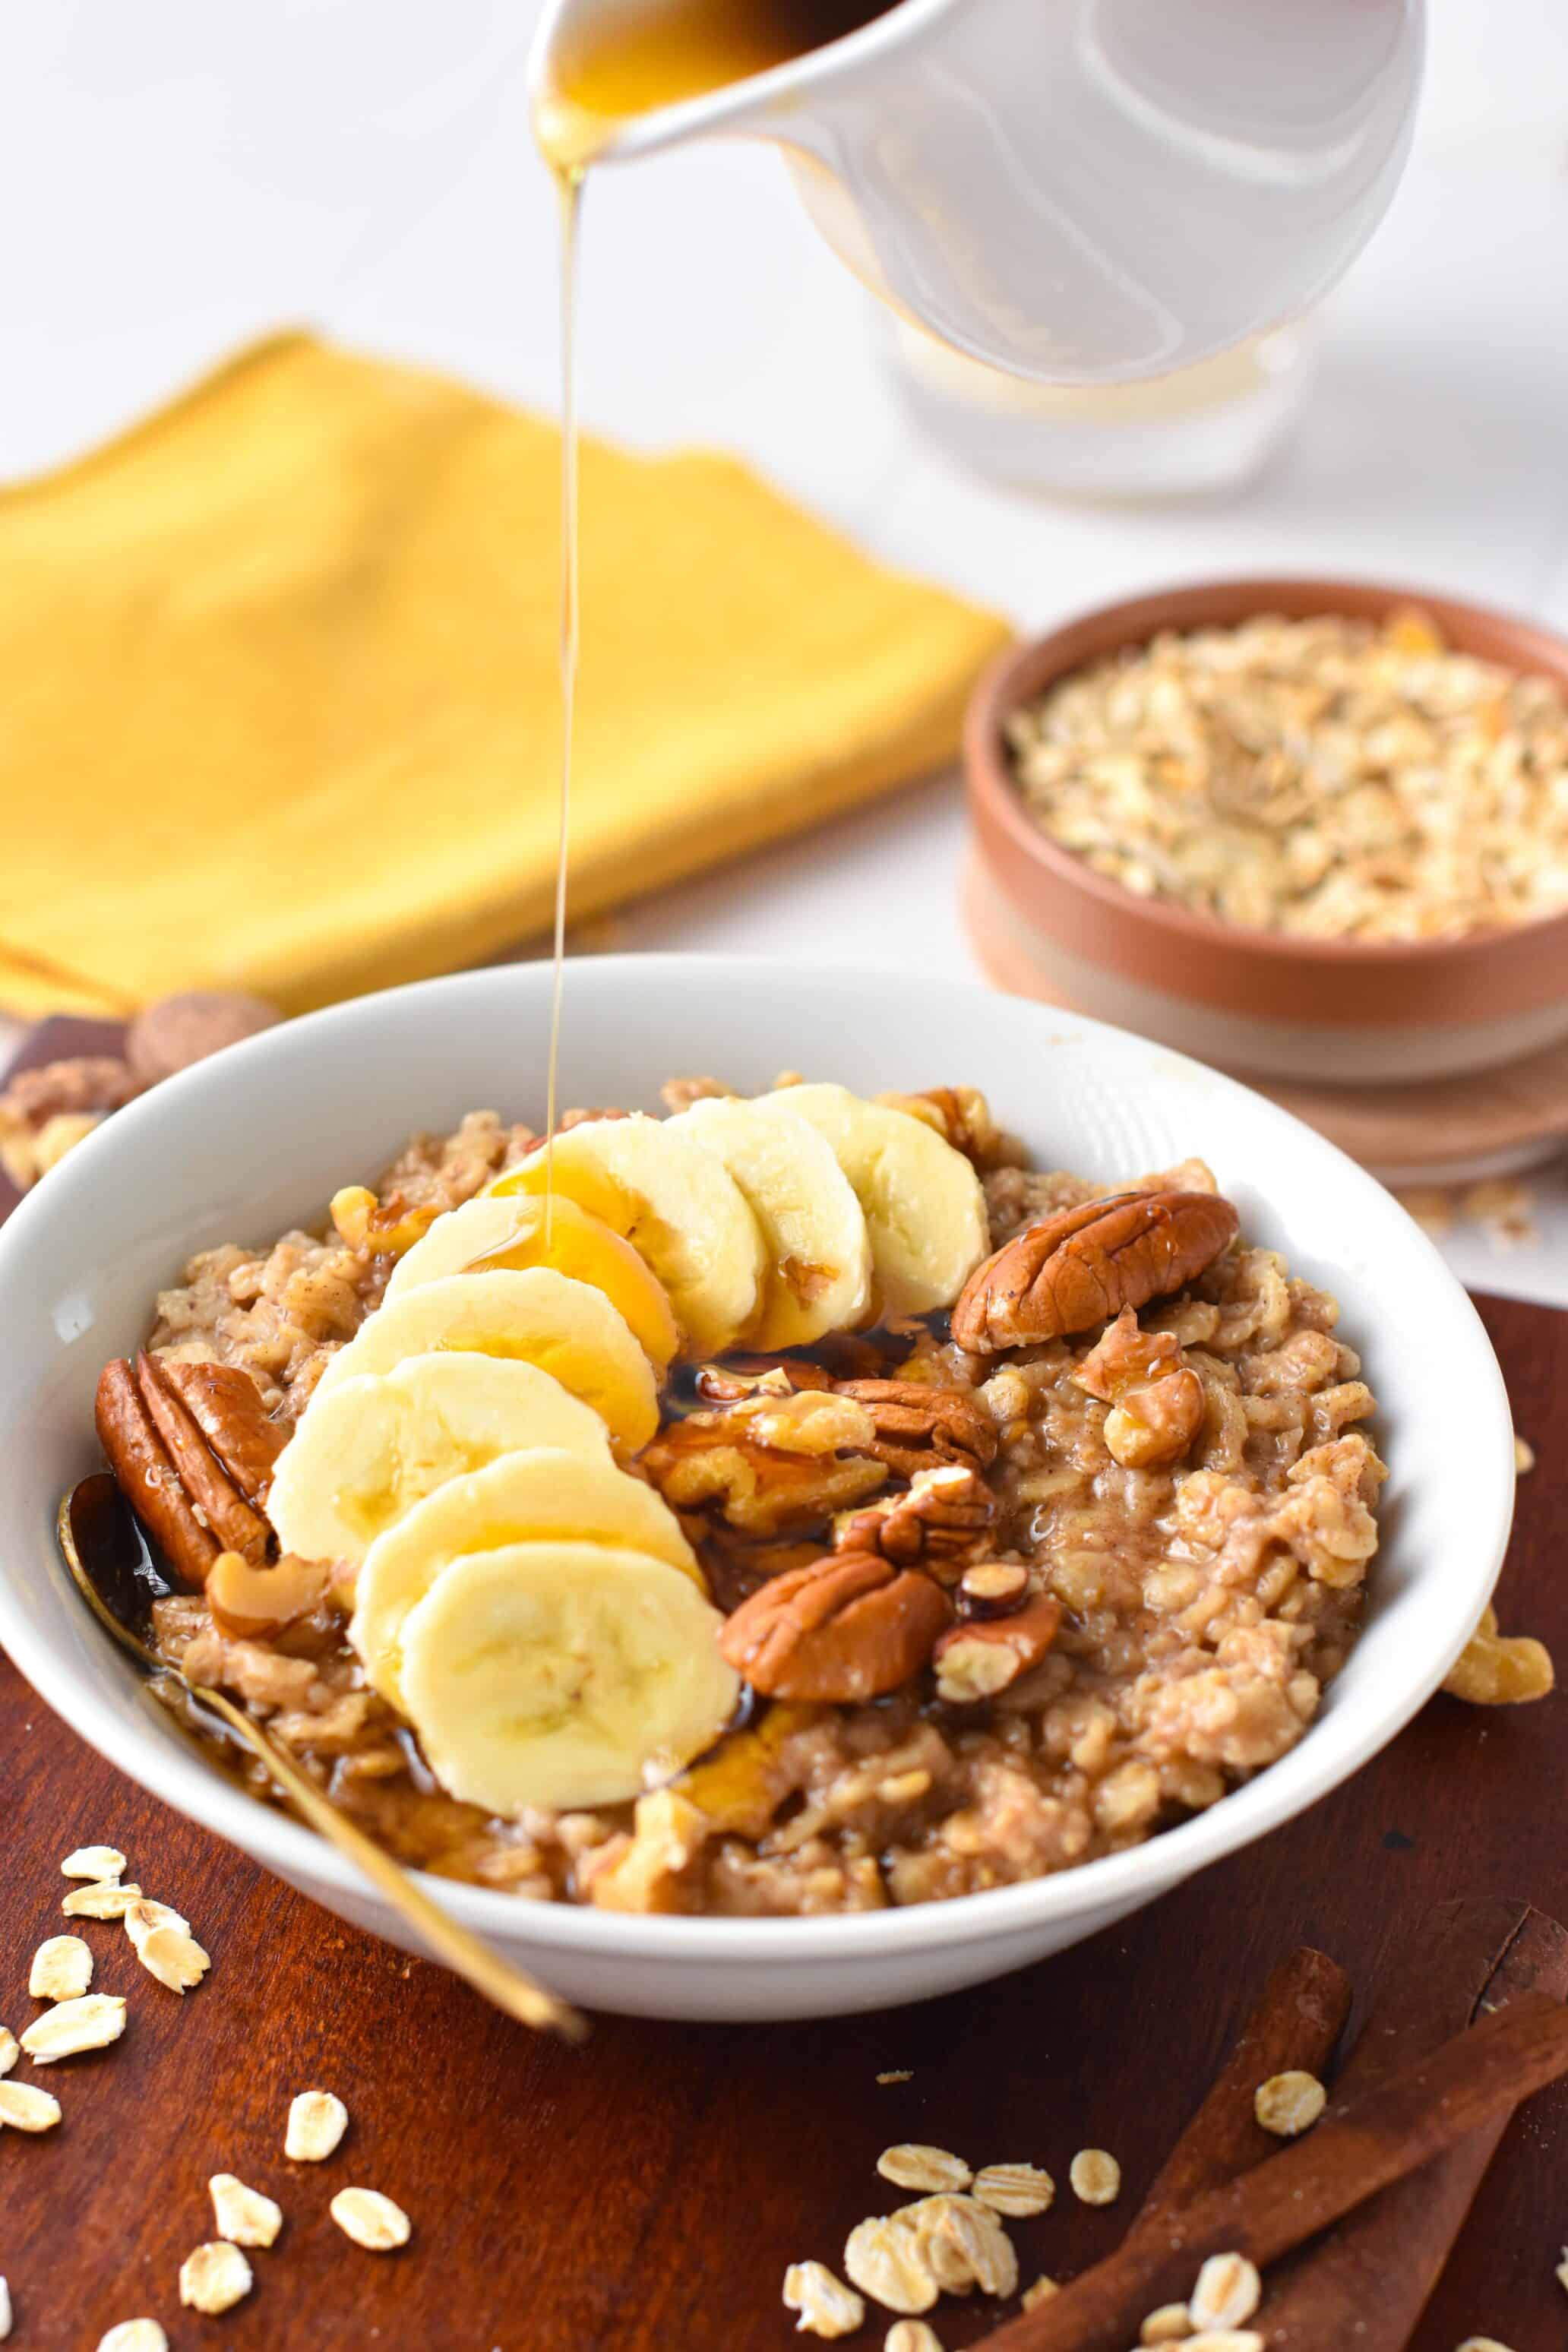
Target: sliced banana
[
  {"x": 924, "y": 1207},
  {"x": 540, "y": 1496},
  {"x": 376, "y": 1445},
  {"x": 563, "y": 1674},
  {"x": 568, "y": 1328},
  {"x": 676, "y": 1204},
  {"x": 492, "y": 1233},
  {"x": 819, "y": 1254}
]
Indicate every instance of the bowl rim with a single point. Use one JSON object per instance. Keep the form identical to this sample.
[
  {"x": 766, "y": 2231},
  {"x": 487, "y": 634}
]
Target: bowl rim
[
  {"x": 1022, "y": 670},
  {"x": 1108, "y": 1887}
]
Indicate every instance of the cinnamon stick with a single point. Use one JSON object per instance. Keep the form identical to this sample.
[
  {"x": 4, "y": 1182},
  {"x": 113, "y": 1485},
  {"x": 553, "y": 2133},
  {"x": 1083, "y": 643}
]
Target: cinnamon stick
[
  {"x": 1368, "y": 2281},
  {"x": 1367, "y": 2142},
  {"x": 1295, "y": 2023}
]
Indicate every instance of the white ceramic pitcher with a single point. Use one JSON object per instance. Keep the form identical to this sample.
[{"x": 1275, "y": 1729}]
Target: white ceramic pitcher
[{"x": 1079, "y": 190}]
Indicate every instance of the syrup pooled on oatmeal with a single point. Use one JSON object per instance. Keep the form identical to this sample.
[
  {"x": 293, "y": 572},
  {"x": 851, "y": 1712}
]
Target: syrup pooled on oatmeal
[{"x": 643, "y": 59}]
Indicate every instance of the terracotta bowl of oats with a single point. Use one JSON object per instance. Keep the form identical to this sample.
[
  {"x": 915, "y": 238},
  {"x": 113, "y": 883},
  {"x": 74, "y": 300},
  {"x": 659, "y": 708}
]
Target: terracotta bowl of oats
[
  {"x": 1161, "y": 1595},
  {"x": 1306, "y": 829}
]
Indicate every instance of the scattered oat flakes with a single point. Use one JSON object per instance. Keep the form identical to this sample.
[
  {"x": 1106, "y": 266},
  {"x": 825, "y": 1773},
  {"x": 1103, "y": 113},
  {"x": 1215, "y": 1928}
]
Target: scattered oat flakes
[
  {"x": 1504, "y": 1208},
  {"x": 5, "y": 2310},
  {"x": 244, "y": 2216},
  {"x": 1016, "y": 2189},
  {"x": 912, "y": 2166},
  {"x": 1227, "y": 2293},
  {"x": 1482, "y": 2344},
  {"x": 26, "y": 2109},
  {"x": 964, "y": 2245},
  {"x": 1168, "y": 2325},
  {"x": 71, "y": 2026},
  {"x": 1095, "y": 2177},
  {"x": 215, "y": 2278},
  {"x": 7, "y": 2050},
  {"x": 1289, "y": 2104},
  {"x": 1224, "y": 2339},
  {"x": 898, "y": 2074},
  {"x": 1431, "y": 1205},
  {"x": 107, "y": 1899},
  {"x": 912, "y": 2336},
  {"x": 144, "y": 1917},
  {"x": 827, "y": 2306},
  {"x": 1041, "y": 2292},
  {"x": 1562, "y": 2272},
  {"x": 882, "y": 2257},
  {"x": 175, "y": 1957},
  {"x": 1523, "y": 1457},
  {"x": 317, "y": 2122},
  {"x": 61, "y": 1969},
  {"x": 94, "y": 1862},
  {"x": 370, "y": 2220},
  {"x": 134, "y": 2336}
]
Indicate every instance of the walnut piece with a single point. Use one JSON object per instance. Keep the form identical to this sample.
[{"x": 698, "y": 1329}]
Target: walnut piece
[
  {"x": 850, "y": 1627},
  {"x": 983, "y": 1656},
  {"x": 939, "y": 1521},
  {"x": 962, "y": 1116},
  {"x": 1074, "y": 1269},
  {"x": 918, "y": 1426}
]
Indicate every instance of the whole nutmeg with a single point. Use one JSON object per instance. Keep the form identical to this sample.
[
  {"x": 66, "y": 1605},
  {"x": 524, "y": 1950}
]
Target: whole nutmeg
[{"x": 179, "y": 1030}]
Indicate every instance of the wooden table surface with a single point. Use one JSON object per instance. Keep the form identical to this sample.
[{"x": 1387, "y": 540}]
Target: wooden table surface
[{"x": 644, "y": 2194}]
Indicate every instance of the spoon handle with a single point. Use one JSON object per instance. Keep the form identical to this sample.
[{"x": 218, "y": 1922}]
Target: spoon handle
[{"x": 467, "y": 1954}]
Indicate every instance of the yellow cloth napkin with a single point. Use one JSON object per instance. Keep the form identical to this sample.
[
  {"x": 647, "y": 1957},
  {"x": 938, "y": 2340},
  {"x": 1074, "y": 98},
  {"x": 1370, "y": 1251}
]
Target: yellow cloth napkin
[{"x": 279, "y": 702}]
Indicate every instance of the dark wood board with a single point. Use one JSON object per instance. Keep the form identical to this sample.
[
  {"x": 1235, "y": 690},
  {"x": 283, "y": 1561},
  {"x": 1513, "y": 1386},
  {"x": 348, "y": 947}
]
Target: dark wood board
[{"x": 644, "y": 2194}]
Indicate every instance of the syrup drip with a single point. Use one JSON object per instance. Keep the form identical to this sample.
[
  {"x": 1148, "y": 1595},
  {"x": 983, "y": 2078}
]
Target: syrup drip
[{"x": 569, "y": 187}]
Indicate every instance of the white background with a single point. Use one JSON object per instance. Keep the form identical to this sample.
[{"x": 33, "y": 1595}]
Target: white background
[{"x": 175, "y": 177}]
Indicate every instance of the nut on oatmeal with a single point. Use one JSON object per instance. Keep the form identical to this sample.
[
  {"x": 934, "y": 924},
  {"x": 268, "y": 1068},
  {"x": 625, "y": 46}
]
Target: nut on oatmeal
[
  {"x": 1326, "y": 778},
  {"x": 850, "y": 1627},
  {"x": 317, "y": 2122},
  {"x": 827, "y": 2306},
  {"x": 1074, "y": 1269}
]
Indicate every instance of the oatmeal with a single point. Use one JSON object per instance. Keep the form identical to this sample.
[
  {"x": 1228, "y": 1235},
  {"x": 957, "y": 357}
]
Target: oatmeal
[
  {"x": 1049, "y": 1557},
  {"x": 1320, "y": 777}
]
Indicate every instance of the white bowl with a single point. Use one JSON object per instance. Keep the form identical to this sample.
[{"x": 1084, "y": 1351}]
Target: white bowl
[{"x": 241, "y": 1146}]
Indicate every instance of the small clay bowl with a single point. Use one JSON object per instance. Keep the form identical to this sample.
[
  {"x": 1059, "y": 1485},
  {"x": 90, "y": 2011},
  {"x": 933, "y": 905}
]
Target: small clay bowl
[{"x": 1340, "y": 1013}]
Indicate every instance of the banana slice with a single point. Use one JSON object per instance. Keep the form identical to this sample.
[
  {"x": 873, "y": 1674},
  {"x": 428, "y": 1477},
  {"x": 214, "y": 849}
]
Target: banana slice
[
  {"x": 568, "y": 1328},
  {"x": 676, "y": 1204},
  {"x": 489, "y": 1234},
  {"x": 563, "y": 1674},
  {"x": 924, "y": 1208},
  {"x": 819, "y": 1271},
  {"x": 544, "y": 1494},
  {"x": 374, "y": 1447}
]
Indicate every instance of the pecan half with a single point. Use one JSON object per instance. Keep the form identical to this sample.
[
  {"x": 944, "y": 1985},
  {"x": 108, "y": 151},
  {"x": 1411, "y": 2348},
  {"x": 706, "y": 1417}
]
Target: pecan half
[
  {"x": 940, "y": 1520},
  {"x": 147, "y": 1479},
  {"x": 919, "y": 1425},
  {"x": 975, "y": 1660},
  {"x": 1074, "y": 1269},
  {"x": 228, "y": 1408},
  {"x": 852, "y": 1627},
  {"x": 219, "y": 1505}
]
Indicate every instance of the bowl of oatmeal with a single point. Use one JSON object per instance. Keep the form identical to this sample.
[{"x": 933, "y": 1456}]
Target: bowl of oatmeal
[
  {"x": 1066, "y": 1468},
  {"x": 1308, "y": 829}
]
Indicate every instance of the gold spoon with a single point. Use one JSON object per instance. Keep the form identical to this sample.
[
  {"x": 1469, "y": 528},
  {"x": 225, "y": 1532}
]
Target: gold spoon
[{"x": 468, "y": 1954}]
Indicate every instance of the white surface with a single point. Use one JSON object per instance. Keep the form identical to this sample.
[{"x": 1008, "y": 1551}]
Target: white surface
[
  {"x": 247, "y": 1142},
  {"x": 179, "y": 176}
]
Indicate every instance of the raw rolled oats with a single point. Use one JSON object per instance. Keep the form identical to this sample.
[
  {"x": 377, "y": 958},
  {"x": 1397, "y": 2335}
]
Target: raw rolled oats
[
  {"x": 94, "y": 1862},
  {"x": 1227, "y": 2293},
  {"x": 1319, "y": 777},
  {"x": 5, "y": 2310},
  {"x": 912, "y": 2166},
  {"x": 134, "y": 2336},
  {"x": 1043, "y": 2289},
  {"x": 26, "y": 2109},
  {"x": 1289, "y": 2104},
  {"x": 175, "y": 1957},
  {"x": 882, "y": 2257},
  {"x": 72, "y": 2026},
  {"x": 912, "y": 2336},
  {"x": 7, "y": 2050},
  {"x": 1016, "y": 2189},
  {"x": 370, "y": 2220},
  {"x": 964, "y": 2245},
  {"x": 105, "y": 1899},
  {"x": 317, "y": 2122},
  {"x": 142, "y": 1917},
  {"x": 827, "y": 2306},
  {"x": 1225, "y": 2339},
  {"x": 244, "y": 2216},
  {"x": 1168, "y": 2325},
  {"x": 1095, "y": 2177},
  {"x": 61, "y": 1969},
  {"x": 215, "y": 2278}
]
